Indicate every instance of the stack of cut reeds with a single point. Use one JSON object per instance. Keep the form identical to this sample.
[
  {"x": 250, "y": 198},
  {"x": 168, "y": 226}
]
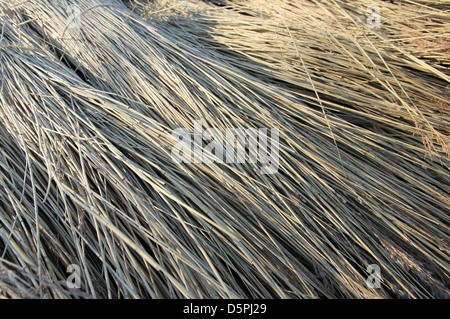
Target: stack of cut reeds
[{"x": 87, "y": 176}]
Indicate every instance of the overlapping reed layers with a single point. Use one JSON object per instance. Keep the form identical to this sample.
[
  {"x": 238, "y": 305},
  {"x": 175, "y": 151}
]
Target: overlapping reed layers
[{"x": 87, "y": 177}]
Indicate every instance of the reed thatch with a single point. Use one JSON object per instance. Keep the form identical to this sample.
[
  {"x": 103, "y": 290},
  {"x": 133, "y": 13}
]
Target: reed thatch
[{"x": 87, "y": 176}]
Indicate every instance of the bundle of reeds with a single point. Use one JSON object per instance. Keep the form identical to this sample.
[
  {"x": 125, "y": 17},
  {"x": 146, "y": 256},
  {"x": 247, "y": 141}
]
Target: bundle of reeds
[
  {"x": 298, "y": 42},
  {"x": 87, "y": 176}
]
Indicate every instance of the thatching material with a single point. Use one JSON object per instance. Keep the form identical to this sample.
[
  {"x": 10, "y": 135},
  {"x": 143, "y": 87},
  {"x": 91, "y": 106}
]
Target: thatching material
[
  {"x": 87, "y": 176},
  {"x": 367, "y": 73}
]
